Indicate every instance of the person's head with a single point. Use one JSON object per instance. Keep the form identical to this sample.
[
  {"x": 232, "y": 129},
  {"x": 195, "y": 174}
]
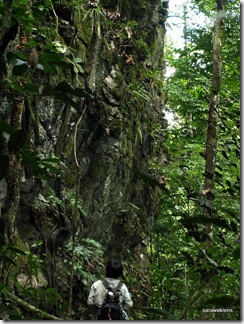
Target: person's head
[{"x": 114, "y": 269}]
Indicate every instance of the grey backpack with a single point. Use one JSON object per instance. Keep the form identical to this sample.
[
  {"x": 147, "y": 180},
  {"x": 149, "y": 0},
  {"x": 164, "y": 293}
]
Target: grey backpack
[{"x": 111, "y": 308}]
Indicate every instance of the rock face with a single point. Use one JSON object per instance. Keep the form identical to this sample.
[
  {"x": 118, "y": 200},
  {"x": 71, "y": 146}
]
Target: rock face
[{"x": 106, "y": 141}]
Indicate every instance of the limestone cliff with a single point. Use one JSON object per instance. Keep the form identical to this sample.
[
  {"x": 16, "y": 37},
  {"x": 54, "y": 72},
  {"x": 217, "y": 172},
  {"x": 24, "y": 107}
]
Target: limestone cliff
[{"x": 103, "y": 138}]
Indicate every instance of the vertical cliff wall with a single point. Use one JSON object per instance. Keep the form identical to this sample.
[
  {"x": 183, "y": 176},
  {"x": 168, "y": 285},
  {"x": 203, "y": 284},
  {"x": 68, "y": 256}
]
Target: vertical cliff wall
[{"x": 92, "y": 106}]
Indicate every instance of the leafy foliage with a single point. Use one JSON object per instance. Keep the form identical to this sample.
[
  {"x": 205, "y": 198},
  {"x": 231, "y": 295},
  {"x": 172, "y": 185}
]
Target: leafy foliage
[
  {"x": 89, "y": 262},
  {"x": 188, "y": 276}
]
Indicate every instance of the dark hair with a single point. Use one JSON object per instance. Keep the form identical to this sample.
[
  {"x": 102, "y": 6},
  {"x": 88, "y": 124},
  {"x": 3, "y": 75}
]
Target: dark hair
[{"x": 114, "y": 269}]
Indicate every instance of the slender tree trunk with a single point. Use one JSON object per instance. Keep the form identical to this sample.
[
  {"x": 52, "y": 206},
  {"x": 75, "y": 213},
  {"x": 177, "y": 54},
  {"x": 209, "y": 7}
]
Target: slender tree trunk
[
  {"x": 6, "y": 19},
  {"x": 11, "y": 203},
  {"x": 6, "y": 35},
  {"x": 212, "y": 127},
  {"x": 189, "y": 116}
]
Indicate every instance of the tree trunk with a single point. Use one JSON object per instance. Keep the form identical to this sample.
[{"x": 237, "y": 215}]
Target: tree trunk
[{"x": 212, "y": 126}]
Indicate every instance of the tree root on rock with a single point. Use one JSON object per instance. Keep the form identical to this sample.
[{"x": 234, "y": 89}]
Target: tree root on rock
[{"x": 23, "y": 304}]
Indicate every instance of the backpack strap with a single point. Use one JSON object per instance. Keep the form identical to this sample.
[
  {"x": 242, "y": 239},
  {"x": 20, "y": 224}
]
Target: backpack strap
[
  {"x": 106, "y": 284},
  {"x": 116, "y": 290},
  {"x": 119, "y": 286}
]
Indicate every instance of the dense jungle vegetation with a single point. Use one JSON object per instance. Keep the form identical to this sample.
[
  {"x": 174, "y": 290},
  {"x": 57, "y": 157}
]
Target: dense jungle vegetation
[
  {"x": 195, "y": 265},
  {"x": 189, "y": 250}
]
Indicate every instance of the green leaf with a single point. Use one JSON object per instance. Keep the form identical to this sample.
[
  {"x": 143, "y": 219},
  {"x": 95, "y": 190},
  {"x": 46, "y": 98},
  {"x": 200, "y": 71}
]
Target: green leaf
[
  {"x": 85, "y": 94},
  {"x": 53, "y": 159},
  {"x": 226, "y": 269},
  {"x": 66, "y": 99},
  {"x": 31, "y": 88},
  {"x": 40, "y": 67},
  {"x": 230, "y": 212},
  {"x": 225, "y": 155},
  {"x": 65, "y": 87},
  {"x": 11, "y": 57},
  {"x": 51, "y": 167},
  {"x": 7, "y": 259},
  {"x": 6, "y": 127},
  {"x": 218, "y": 174},
  {"x": 15, "y": 250},
  {"x": 17, "y": 140},
  {"x": 223, "y": 301},
  {"x": 51, "y": 60},
  {"x": 197, "y": 235},
  {"x": 70, "y": 89},
  {"x": 48, "y": 91},
  {"x": 149, "y": 179},
  {"x": 4, "y": 163},
  {"x": 78, "y": 60},
  {"x": 78, "y": 68},
  {"x": 233, "y": 226},
  {"x": 19, "y": 67},
  {"x": 3, "y": 288},
  {"x": 3, "y": 64},
  {"x": 152, "y": 310},
  {"x": 236, "y": 253},
  {"x": 31, "y": 159},
  {"x": 19, "y": 62},
  {"x": 207, "y": 220}
]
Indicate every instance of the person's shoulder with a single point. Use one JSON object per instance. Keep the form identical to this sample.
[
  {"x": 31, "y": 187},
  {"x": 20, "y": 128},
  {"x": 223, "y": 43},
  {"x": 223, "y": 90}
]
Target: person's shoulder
[
  {"x": 124, "y": 287},
  {"x": 123, "y": 284},
  {"x": 97, "y": 283},
  {"x": 113, "y": 281}
]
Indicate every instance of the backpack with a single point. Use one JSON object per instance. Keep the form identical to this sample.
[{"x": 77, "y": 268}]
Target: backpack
[{"x": 111, "y": 308}]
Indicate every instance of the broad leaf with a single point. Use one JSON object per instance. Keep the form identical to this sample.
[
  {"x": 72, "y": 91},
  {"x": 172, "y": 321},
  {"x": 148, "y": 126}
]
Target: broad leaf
[
  {"x": 31, "y": 88},
  {"x": 6, "y": 127},
  {"x": 4, "y": 163},
  {"x": 16, "y": 250},
  {"x": 19, "y": 67},
  {"x": 207, "y": 220},
  {"x": 17, "y": 140},
  {"x": 223, "y": 301}
]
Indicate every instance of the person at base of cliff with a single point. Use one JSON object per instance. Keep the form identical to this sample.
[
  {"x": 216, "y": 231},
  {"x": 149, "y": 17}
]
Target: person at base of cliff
[{"x": 114, "y": 269}]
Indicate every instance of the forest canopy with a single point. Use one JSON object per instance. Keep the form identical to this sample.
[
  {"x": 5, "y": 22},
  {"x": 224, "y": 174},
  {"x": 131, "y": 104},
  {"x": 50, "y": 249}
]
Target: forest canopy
[{"x": 196, "y": 264}]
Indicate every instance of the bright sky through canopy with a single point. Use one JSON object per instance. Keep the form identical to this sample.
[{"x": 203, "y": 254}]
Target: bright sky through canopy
[
  {"x": 174, "y": 33},
  {"x": 175, "y": 21}
]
